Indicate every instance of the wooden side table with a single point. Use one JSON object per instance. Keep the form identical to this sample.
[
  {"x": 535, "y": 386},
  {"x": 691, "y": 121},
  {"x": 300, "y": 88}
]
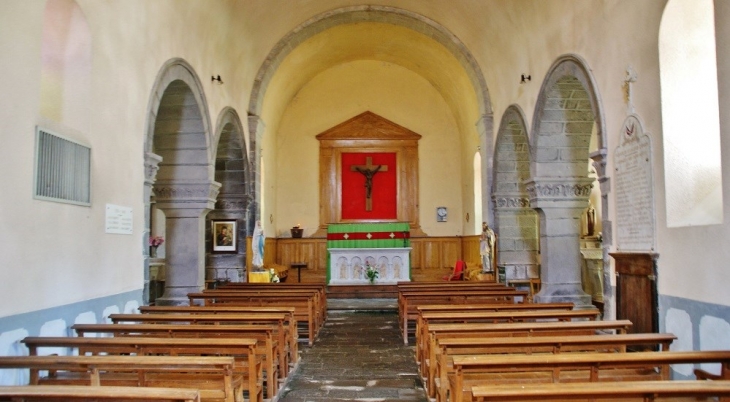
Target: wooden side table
[{"x": 299, "y": 266}]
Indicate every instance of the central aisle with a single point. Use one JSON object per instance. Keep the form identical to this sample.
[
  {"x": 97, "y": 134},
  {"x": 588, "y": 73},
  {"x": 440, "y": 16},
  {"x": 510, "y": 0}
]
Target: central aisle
[{"x": 357, "y": 356}]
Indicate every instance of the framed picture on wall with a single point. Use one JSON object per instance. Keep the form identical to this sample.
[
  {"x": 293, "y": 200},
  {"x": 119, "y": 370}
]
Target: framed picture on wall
[
  {"x": 441, "y": 214},
  {"x": 225, "y": 236}
]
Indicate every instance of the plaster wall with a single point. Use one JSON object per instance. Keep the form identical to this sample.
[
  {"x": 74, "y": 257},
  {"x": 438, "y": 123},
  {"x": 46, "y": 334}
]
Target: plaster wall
[
  {"x": 345, "y": 91},
  {"x": 132, "y": 39},
  {"x": 55, "y": 253}
]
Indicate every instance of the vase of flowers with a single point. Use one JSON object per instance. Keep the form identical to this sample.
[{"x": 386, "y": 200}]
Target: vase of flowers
[
  {"x": 371, "y": 273},
  {"x": 155, "y": 241}
]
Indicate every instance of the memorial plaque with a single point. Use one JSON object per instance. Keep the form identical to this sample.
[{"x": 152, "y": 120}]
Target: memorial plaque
[
  {"x": 118, "y": 220},
  {"x": 634, "y": 189}
]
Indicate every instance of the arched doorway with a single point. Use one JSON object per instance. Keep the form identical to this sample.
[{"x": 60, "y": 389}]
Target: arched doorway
[
  {"x": 567, "y": 114},
  {"x": 516, "y": 223},
  {"x": 232, "y": 172},
  {"x": 178, "y": 172}
]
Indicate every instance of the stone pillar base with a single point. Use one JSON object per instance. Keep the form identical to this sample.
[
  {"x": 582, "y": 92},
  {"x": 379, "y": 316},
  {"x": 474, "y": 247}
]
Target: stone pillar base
[
  {"x": 564, "y": 293},
  {"x": 176, "y": 296}
]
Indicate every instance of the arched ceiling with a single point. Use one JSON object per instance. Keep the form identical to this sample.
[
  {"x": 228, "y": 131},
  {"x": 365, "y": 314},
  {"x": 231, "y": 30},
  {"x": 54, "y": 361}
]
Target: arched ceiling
[{"x": 377, "y": 41}]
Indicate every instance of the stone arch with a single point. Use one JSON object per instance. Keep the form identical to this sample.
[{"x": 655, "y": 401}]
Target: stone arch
[
  {"x": 179, "y": 171},
  {"x": 232, "y": 172},
  {"x": 568, "y": 109},
  {"x": 382, "y": 14},
  {"x": 567, "y": 113},
  {"x": 516, "y": 223}
]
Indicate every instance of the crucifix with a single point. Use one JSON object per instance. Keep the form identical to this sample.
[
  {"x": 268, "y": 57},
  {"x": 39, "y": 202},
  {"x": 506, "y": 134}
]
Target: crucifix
[{"x": 368, "y": 170}]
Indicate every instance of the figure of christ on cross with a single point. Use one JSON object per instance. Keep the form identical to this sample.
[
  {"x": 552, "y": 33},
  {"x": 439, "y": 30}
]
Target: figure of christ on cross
[{"x": 368, "y": 170}]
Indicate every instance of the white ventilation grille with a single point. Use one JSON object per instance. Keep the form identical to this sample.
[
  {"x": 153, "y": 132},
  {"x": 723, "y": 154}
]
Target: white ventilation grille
[{"x": 63, "y": 169}]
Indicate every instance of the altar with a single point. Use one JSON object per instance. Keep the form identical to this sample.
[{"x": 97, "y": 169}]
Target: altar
[{"x": 352, "y": 247}]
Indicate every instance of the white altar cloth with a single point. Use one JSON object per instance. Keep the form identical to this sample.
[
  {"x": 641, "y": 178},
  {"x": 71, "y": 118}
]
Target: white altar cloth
[{"x": 347, "y": 265}]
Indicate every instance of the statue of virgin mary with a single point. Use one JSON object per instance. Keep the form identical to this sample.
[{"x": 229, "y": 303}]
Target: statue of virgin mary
[{"x": 257, "y": 246}]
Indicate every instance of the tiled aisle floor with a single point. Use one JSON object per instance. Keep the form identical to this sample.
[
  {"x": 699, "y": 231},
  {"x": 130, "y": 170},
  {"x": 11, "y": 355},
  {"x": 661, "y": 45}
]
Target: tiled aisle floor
[{"x": 357, "y": 356}]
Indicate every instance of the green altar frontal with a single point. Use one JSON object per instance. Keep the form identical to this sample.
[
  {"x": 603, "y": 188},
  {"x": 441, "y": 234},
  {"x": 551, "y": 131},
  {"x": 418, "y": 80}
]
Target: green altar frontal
[
  {"x": 368, "y": 235},
  {"x": 386, "y": 235}
]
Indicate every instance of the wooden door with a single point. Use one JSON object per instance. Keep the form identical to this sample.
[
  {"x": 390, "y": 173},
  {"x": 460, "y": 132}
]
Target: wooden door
[{"x": 636, "y": 291}]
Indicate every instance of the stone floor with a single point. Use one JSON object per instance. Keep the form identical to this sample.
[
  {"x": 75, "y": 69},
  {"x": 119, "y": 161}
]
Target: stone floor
[{"x": 358, "y": 356}]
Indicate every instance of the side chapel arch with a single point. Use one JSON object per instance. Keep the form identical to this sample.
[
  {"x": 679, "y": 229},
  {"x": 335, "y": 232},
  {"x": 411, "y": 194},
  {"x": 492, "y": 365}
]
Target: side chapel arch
[
  {"x": 232, "y": 172},
  {"x": 179, "y": 172},
  {"x": 517, "y": 223},
  {"x": 382, "y": 14},
  {"x": 567, "y": 112}
]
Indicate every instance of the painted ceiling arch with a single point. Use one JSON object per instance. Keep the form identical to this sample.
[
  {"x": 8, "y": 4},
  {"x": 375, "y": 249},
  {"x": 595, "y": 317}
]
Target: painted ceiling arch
[{"x": 377, "y": 33}]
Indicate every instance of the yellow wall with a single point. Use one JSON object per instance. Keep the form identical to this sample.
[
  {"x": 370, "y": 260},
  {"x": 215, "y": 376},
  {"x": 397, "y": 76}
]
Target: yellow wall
[{"x": 345, "y": 91}]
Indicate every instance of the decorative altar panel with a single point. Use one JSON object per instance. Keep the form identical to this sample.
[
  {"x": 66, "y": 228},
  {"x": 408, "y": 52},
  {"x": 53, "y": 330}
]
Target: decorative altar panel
[
  {"x": 347, "y": 265},
  {"x": 385, "y": 246}
]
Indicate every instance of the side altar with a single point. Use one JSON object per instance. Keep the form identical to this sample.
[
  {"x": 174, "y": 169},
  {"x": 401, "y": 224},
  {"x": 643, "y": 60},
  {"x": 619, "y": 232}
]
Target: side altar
[{"x": 353, "y": 246}]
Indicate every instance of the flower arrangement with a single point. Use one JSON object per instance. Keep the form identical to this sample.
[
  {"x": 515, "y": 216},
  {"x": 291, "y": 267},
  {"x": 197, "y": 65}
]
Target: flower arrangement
[
  {"x": 371, "y": 273},
  {"x": 156, "y": 241}
]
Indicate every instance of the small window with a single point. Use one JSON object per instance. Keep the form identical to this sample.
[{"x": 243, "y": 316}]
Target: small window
[{"x": 63, "y": 169}]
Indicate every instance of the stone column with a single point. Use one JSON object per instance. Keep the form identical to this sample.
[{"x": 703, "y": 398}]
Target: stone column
[
  {"x": 185, "y": 205},
  {"x": 517, "y": 239},
  {"x": 151, "y": 166},
  {"x": 256, "y": 128},
  {"x": 485, "y": 128},
  {"x": 560, "y": 203},
  {"x": 609, "y": 296}
]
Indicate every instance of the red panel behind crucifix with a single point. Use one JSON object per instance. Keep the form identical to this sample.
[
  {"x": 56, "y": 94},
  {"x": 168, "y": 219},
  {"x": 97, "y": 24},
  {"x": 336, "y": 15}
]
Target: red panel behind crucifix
[{"x": 384, "y": 194}]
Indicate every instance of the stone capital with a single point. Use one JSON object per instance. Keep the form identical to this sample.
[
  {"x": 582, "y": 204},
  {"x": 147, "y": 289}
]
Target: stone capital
[
  {"x": 193, "y": 196},
  {"x": 511, "y": 201},
  {"x": 151, "y": 166},
  {"x": 559, "y": 192}
]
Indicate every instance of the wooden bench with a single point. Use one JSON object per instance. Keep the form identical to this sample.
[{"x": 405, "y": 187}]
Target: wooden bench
[
  {"x": 437, "y": 332},
  {"x": 485, "y": 307},
  {"x": 86, "y": 393},
  {"x": 409, "y": 301},
  {"x": 319, "y": 288},
  {"x": 319, "y": 297},
  {"x": 277, "y": 321},
  {"x": 572, "y": 367},
  {"x": 214, "y": 377},
  {"x": 242, "y": 350},
  {"x": 440, "y": 362},
  {"x": 646, "y": 391},
  {"x": 304, "y": 305},
  {"x": 290, "y": 321},
  {"x": 264, "y": 334},
  {"x": 440, "y": 317}
]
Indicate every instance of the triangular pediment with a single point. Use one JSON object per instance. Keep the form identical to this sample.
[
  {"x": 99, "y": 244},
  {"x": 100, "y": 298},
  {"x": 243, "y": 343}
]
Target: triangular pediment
[{"x": 368, "y": 126}]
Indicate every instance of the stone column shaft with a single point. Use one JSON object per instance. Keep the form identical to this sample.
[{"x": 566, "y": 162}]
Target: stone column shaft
[{"x": 560, "y": 202}]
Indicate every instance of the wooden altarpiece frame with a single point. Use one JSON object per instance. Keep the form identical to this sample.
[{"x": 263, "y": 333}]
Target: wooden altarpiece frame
[{"x": 368, "y": 133}]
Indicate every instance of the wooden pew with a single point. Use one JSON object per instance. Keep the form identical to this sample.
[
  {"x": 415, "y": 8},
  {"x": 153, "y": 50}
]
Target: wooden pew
[
  {"x": 646, "y": 391},
  {"x": 515, "y": 329},
  {"x": 408, "y": 301},
  {"x": 572, "y": 367},
  {"x": 264, "y": 334},
  {"x": 319, "y": 294},
  {"x": 277, "y": 321},
  {"x": 485, "y": 307},
  {"x": 439, "y": 317},
  {"x": 304, "y": 305},
  {"x": 86, "y": 393},
  {"x": 241, "y": 349},
  {"x": 214, "y": 377},
  {"x": 319, "y": 288},
  {"x": 290, "y": 321},
  {"x": 440, "y": 362}
]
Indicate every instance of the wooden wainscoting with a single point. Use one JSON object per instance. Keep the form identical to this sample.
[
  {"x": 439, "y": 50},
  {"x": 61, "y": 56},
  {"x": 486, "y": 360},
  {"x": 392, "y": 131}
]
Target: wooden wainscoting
[{"x": 432, "y": 258}]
